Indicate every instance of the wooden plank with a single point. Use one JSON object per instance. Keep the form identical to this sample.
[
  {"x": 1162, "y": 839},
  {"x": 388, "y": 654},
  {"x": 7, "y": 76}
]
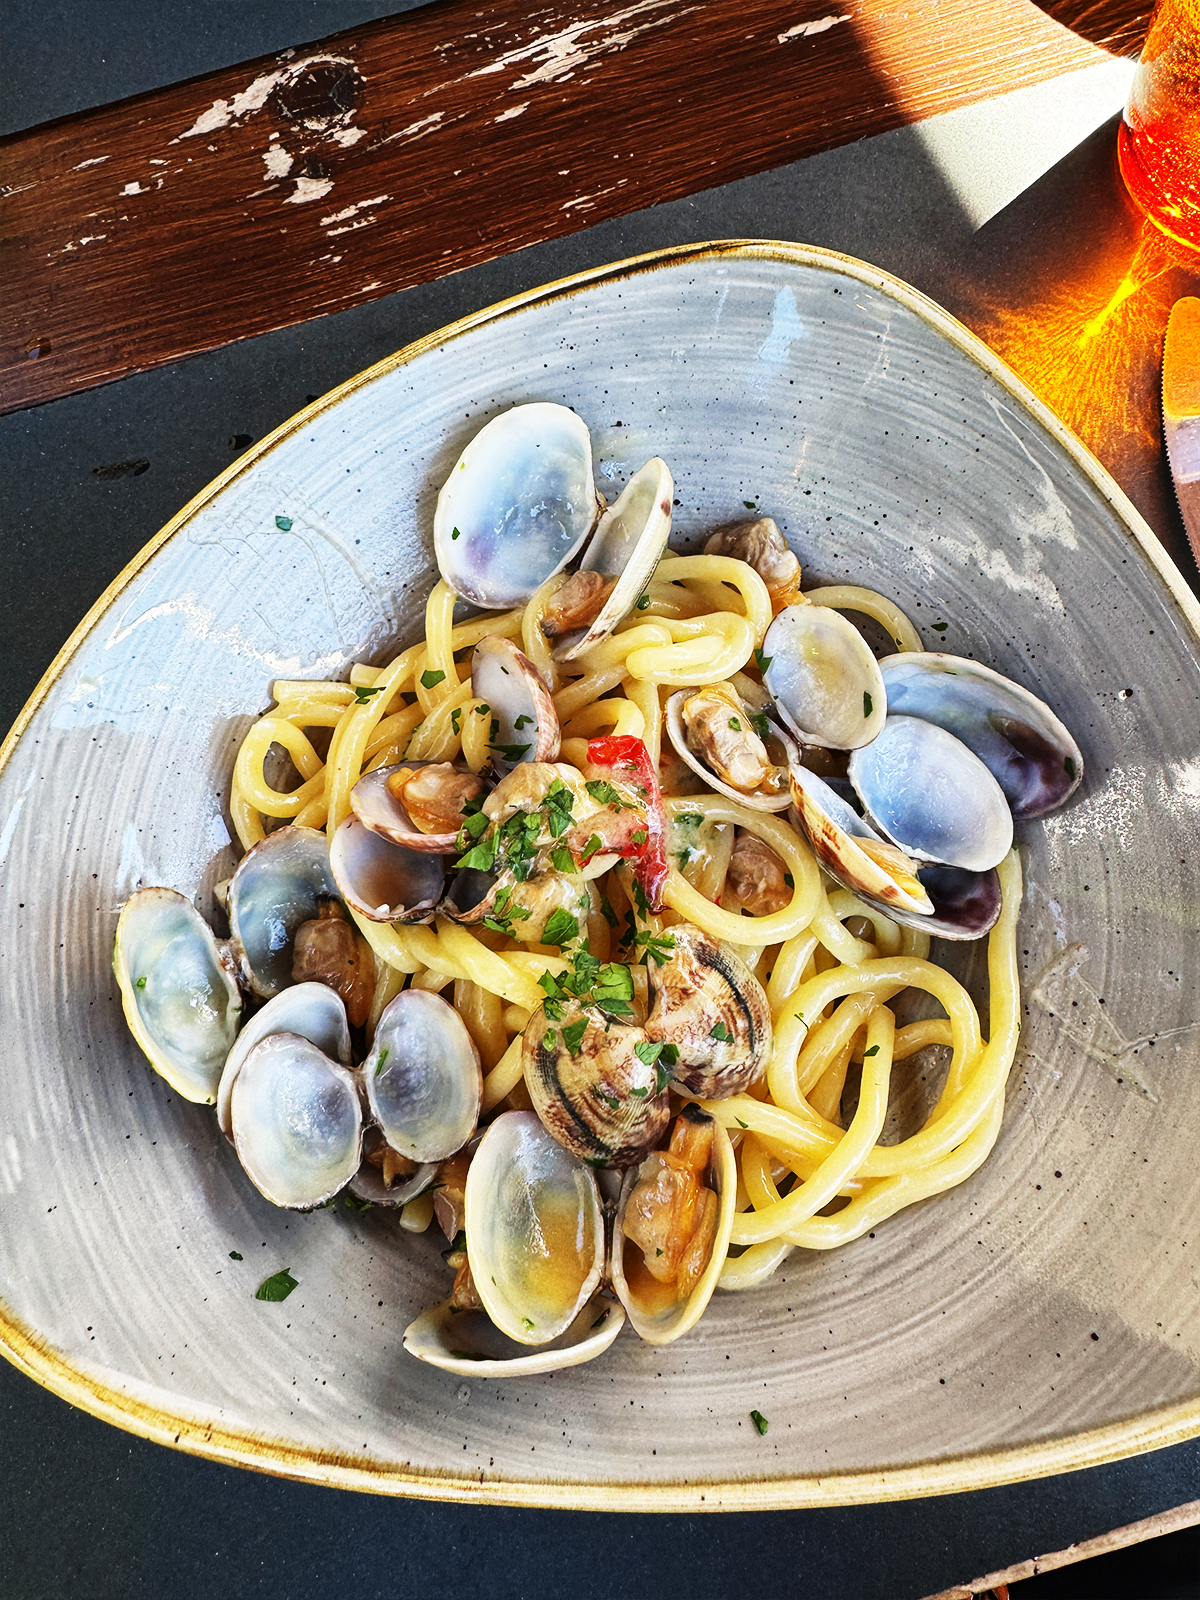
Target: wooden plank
[{"x": 301, "y": 184}]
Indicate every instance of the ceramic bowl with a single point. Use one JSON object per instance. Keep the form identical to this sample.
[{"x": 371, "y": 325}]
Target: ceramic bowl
[{"x": 1041, "y": 1317}]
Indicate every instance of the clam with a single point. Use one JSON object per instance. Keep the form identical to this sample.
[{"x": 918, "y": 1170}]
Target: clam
[
  {"x": 730, "y": 746},
  {"x": 824, "y": 680},
  {"x": 1018, "y": 738},
  {"x": 617, "y": 565},
  {"x": 418, "y": 805},
  {"x": 297, "y": 1121},
  {"x": 279, "y": 884},
  {"x": 311, "y": 1010},
  {"x": 931, "y": 796},
  {"x": 387, "y": 1179},
  {"x": 469, "y": 1343},
  {"x": 517, "y": 506},
  {"x": 384, "y": 882},
  {"x": 524, "y": 722},
  {"x": 600, "y": 1099},
  {"x": 710, "y": 1007},
  {"x": 534, "y": 1230},
  {"x": 948, "y": 902},
  {"x": 762, "y": 546},
  {"x": 671, "y": 1234},
  {"x": 181, "y": 1001},
  {"x": 423, "y": 1080}
]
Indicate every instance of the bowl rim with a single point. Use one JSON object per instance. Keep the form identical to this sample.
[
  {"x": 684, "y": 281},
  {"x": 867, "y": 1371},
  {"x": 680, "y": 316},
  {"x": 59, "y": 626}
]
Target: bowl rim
[{"x": 39, "y": 1360}]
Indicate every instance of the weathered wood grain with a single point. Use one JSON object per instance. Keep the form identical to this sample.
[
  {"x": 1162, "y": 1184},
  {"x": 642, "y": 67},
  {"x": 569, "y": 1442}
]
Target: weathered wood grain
[{"x": 300, "y": 184}]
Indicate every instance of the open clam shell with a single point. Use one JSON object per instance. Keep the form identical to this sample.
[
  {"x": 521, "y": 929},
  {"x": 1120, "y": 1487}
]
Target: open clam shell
[
  {"x": 297, "y": 1122},
  {"x": 823, "y": 678},
  {"x": 423, "y": 1079},
  {"x": 467, "y": 1342},
  {"x": 835, "y": 831},
  {"x": 311, "y": 1010},
  {"x": 278, "y": 885},
  {"x": 525, "y": 725},
  {"x": 180, "y": 1000},
  {"x": 380, "y": 810},
  {"x": 627, "y": 545},
  {"x": 673, "y": 721},
  {"x": 535, "y": 1230},
  {"x": 655, "y": 1309},
  {"x": 1025, "y": 747},
  {"x": 518, "y": 505},
  {"x": 932, "y": 796},
  {"x": 384, "y": 882}
]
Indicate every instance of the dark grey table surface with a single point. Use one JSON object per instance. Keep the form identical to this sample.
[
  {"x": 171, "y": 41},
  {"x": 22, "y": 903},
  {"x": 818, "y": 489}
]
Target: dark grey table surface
[{"x": 89, "y": 1511}]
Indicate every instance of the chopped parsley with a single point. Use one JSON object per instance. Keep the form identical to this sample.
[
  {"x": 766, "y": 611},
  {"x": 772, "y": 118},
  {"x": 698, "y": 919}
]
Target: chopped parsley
[
  {"x": 573, "y": 1034},
  {"x": 750, "y": 505},
  {"x": 939, "y": 627},
  {"x": 789, "y": 880},
  {"x": 760, "y": 724},
  {"x": 362, "y": 693},
  {"x": 1069, "y": 767},
  {"x": 607, "y": 912},
  {"x": 511, "y": 752},
  {"x": 873, "y": 1051},
  {"x": 284, "y": 524},
  {"x": 648, "y": 1052},
  {"x": 762, "y": 661},
  {"x": 735, "y": 725},
  {"x": 561, "y": 859},
  {"x": 639, "y": 836},
  {"x": 561, "y": 927},
  {"x": 557, "y": 804},
  {"x": 655, "y": 947},
  {"x": 549, "y": 1039},
  {"x": 482, "y": 710},
  {"x": 868, "y": 703},
  {"x": 141, "y": 983},
  {"x": 277, "y": 1287},
  {"x": 455, "y": 533},
  {"x": 431, "y": 679},
  {"x": 605, "y": 794},
  {"x": 456, "y": 718},
  {"x": 643, "y": 602},
  {"x": 382, "y": 1062},
  {"x": 236, "y": 1255},
  {"x": 696, "y": 817},
  {"x": 353, "y": 1203},
  {"x": 523, "y": 721},
  {"x": 721, "y": 1034},
  {"x": 740, "y": 1123},
  {"x": 594, "y": 845},
  {"x": 760, "y": 1422}
]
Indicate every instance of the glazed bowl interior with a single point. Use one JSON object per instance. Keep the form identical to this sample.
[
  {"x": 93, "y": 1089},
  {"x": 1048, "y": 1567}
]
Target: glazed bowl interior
[{"x": 1039, "y": 1317}]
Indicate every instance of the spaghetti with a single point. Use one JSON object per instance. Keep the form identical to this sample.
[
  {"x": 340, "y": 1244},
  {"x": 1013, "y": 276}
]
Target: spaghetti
[{"x": 832, "y": 966}]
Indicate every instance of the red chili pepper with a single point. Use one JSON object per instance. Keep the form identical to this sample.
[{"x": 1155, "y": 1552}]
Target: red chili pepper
[{"x": 627, "y": 759}]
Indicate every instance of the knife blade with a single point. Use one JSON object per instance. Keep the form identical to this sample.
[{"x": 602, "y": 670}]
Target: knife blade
[{"x": 1181, "y": 411}]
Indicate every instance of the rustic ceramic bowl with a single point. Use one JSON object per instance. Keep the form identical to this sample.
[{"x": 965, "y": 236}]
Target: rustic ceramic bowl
[{"x": 1041, "y": 1317}]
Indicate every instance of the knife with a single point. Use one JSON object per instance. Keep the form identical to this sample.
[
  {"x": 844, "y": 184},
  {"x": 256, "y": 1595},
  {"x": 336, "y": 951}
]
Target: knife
[{"x": 1181, "y": 411}]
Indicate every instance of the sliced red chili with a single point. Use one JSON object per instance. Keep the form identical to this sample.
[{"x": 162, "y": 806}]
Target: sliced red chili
[{"x": 628, "y": 760}]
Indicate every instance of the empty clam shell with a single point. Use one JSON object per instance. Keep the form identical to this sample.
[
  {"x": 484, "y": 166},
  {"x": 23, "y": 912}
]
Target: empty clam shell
[
  {"x": 467, "y": 1342},
  {"x": 180, "y": 1000},
  {"x": 384, "y": 882},
  {"x": 518, "y": 505},
  {"x": 656, "y": 1309},
  {"x": 823, "y": 678},
  {"x": 424, "y": 1085},
  {"x": 525, "y": 725},
  {"x": 312, "y": 1010},
  {"x": 1017, "y": 737},
  {"x": 278, "y": 885},
  {"x": 627, "y": 545},
  {"x": 297, "y": 1122},
  {"x": 535, "y": 1229},
  {"x": 932, "y": 796}
]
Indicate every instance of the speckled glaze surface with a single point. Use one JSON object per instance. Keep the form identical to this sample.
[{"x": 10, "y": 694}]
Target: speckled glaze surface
[{"x": 1045, "y": 1315}]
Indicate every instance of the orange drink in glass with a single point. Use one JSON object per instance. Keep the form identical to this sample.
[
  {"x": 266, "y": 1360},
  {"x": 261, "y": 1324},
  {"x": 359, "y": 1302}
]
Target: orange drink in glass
[{"x": 1158, "y": 145}]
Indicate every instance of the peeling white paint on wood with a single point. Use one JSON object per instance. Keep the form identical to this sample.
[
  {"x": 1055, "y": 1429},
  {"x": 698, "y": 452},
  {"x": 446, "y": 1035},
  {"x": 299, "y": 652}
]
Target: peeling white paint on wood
[
  {"x": 277, "y": 161},
  {"x": 514, "y": 111},
  {"x": 309, "y": 189},
  {"x": 360, "y": 205},
  {"x": 254, "y": 96},
  {"x": 559, "y": 54},
  {"x": 805, "y": 30},
  {"x": 347, "y": 136},
  {"x": 93, "y": 161},
  {"x": 416, "y": 130},
  {"x": 133, "y": 188}
]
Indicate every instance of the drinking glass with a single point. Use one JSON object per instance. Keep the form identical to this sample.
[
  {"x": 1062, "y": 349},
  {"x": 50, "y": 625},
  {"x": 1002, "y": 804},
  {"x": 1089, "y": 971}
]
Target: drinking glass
[{"x": 1158, "y": 145}]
